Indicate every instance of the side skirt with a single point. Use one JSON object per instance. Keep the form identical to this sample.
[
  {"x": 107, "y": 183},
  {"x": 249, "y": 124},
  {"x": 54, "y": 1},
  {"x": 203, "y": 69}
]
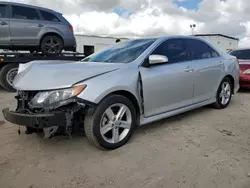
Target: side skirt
[{"x": 151, "y": 119}]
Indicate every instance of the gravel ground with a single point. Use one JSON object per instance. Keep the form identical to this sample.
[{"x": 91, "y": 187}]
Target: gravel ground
[{"x": 205, "y": 148}]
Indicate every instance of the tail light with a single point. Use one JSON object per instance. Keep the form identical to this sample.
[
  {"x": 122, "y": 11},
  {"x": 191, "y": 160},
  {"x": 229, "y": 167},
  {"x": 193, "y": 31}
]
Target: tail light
[{"x": 71, "y": 28}]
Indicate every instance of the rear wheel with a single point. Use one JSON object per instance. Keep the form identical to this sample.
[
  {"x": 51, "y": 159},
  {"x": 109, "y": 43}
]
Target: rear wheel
[
  {"x": 112, "y": 123},
  {"x": 51, "y": 45},
  {"x": 224, "y": 94},
  {"x": 7, "y": 75}
]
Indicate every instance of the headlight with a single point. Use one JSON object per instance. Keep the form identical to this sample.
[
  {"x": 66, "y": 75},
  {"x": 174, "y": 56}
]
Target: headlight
[
  {"x": 47, "y": 98},
  {"x": 246, "y": 71}
]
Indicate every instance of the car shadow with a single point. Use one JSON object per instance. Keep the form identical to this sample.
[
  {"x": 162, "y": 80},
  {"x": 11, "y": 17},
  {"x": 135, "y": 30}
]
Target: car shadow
[
  {"x": 244, "y": 90},
  {"x": 2, "y": 90},
  {"x": 151, "y": 127}
]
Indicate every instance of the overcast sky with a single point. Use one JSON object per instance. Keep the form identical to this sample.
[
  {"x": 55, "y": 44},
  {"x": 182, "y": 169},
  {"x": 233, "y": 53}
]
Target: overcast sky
[{"x": 129, "y": 18}]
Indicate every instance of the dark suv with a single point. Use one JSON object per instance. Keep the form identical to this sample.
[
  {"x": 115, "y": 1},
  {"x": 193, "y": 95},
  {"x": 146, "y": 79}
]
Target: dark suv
[{"x": 25, "y": 27}]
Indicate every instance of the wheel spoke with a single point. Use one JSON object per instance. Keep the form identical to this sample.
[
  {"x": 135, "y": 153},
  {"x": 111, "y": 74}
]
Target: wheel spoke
[
  {"x": 227, "y": 87},
  {"x": 221, "y": 95},
  {"x": 121, "y": 112},
  {"x": 124, "y": 124},
  {"x": 110, "y": 114},
  {"x": 51, "y": 40},
  {"x": 223, "y": 87},
  {"x": 223, "y": 100},
  {"x": 106, "y": 128},
  {"x": 115, "y": 135},
  {"x": 227, "y": 95}
]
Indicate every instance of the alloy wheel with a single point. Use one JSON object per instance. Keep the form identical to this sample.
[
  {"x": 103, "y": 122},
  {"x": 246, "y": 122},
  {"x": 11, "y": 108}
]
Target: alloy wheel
[
  {"x": 52, "y": 45},
  {"x": 115, "y": 123},
  {"x": 225, "y": 93}
]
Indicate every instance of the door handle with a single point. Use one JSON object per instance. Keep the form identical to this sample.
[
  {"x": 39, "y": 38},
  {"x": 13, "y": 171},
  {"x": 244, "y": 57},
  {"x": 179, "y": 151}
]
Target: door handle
[
  {"x": 220, "y": 63},
  {"x": 189, "y": 70},
  {"x": 40, "y": 25},
  {"x": 3, "y": 23}
]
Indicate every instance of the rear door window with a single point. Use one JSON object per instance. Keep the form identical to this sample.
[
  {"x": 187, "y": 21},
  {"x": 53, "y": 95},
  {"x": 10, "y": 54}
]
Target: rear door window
[
  {"x": 26, "y": 13},
  {"x": 3, "y": 11},
  {"x": 49, "y": 16}
]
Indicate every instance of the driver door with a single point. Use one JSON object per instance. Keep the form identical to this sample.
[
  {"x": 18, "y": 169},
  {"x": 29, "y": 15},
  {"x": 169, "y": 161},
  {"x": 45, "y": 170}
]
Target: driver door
[{"x": 168, "y": 86}]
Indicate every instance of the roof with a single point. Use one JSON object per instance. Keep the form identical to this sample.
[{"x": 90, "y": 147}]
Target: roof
[
  {"x": 27, "y": 5},
  {"x": 102, "y": 36},
  {"x": 201, "y": 35}
]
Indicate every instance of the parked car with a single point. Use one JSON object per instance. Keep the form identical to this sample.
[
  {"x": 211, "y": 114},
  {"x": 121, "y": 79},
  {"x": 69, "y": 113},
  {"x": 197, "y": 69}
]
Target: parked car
[
  {"x": 243, "y": 56},
  {"x": 131, "y": 83},
  {"x": 26, "y": 27}
]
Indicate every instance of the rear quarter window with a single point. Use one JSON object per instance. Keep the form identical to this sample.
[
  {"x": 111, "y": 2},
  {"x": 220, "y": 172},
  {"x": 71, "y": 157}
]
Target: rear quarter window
[{"x": 47, "y": 16}]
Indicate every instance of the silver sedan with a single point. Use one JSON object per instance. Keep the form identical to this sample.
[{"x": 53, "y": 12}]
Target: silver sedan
[{"x": 131, "y": 83}]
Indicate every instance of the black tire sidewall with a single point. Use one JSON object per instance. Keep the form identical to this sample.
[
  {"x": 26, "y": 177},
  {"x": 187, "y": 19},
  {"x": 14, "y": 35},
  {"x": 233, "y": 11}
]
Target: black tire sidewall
[
  {"x": 98, "y": 115},
  {"x": 219, "y": 91},
  {"x": 3, "y": 80},
  {"x": 55, "y": 37}
]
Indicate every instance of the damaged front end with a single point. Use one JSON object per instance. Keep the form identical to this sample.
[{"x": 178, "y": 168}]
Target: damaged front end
[{"x": 52, "y": 113}]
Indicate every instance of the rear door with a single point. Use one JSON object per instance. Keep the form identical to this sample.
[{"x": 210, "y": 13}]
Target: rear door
[
  {"x": 169, "y": 86},
  {"x": 208, "y": 69},
  {"x": 4, "y": 25},
  {"x": 24, "y": 25}
]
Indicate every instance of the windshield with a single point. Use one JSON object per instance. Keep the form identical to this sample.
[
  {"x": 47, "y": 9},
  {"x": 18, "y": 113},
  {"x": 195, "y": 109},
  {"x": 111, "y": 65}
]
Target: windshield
[{"x": 123, "y": 52}]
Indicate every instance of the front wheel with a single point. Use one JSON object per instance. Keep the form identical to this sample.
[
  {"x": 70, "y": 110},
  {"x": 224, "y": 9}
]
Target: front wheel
[
  {"x": 224, "y": 94},
  {"x": 112, "y": 123}
]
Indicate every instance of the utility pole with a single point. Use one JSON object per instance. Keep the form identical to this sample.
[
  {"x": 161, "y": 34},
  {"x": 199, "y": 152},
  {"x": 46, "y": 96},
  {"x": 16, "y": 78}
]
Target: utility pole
[{"x": 192, "y": 26}]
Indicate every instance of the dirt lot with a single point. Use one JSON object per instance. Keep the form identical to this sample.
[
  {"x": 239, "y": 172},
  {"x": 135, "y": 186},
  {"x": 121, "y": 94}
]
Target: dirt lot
[{"x": 205, "y": 148}]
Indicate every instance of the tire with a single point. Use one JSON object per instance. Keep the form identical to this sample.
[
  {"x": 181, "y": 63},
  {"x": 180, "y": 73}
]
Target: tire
[
  {"x": 95, "y": 117},
  {"x": 219, "y": 104},
  {"x": 51, "y": 45},
  {"x": 7, "y": 75}
]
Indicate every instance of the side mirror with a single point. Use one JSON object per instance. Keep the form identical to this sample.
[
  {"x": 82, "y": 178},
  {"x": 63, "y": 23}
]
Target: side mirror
[{"x": 157, "y": 59}]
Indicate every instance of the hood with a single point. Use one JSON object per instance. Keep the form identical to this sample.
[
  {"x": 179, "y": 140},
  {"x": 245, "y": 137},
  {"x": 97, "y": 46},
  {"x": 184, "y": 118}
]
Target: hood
[{"x": 49, "y": 75}]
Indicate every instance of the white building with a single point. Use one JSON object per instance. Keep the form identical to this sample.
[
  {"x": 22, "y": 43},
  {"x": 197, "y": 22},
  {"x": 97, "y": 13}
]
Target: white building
[
  {"x": 223, "y": 42},
  {"x": 89, "y": 44}
]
